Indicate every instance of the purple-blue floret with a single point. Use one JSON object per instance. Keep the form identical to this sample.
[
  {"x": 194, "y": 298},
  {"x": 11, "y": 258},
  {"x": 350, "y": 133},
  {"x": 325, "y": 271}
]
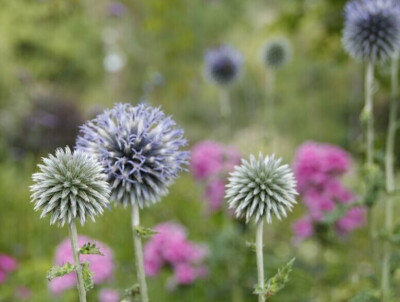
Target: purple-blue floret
[{"x": 140, "y": 150}]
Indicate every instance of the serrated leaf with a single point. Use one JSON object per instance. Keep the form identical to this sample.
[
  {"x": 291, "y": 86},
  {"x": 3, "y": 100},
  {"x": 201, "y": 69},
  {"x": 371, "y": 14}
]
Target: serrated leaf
[
  {"x": 132, "y": 292},
  {"x": 90, "y": 249},
  {"x": 145, "y": 232},
  {"x": 59, "y": 271},
  {"x": 87, "y": 276},
  {"x": 277, "y": 282}
]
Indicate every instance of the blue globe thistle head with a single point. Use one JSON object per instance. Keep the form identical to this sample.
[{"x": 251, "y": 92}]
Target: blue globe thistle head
[
  {"x": 372, "y": 29},
  {"x": 70, "y": 185},
  {"x": 222, "y": 65},
  {"x": 261, "y": 188},
  {"x": 140, "y": 150},
  {"x": 276, "y": 53}
]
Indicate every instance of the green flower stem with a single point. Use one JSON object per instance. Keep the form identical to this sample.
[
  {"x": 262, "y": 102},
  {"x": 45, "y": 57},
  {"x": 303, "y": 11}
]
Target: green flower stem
[
  {"x": 225, "y": 102},
  {"x": 369, "y": 83},
  {"x": 260, "y": 260},
  {"x": 390, "y": 184},
  {"x": 139, "y": 254},
  {"x": 75, "y": 251},
  {"x": 368, "y": 110},
  {"x": 270, "y": 108}
]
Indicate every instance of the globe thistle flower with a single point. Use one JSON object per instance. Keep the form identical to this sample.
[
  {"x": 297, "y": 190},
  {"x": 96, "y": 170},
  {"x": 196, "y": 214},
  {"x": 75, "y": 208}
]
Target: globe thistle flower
[
  {"x": 139, "y": 148},
  {"x": 70, "y": 185},
  {"x": 261, "y": 188},
  {"x": 222, "y": 65},
  {"x": 276, "y": 53},
  {"x": 372, "y": 29}
]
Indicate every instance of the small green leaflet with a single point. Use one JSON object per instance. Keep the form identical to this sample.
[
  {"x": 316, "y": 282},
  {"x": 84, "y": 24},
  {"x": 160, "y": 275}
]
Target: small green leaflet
[
  {"x": 59, "y": 271},
  {"x": 277, "y": 282},
  {"x": 145, "y": 232},
  {"x": 90, "y": 249},
  {"x": 87, "y": 276}
]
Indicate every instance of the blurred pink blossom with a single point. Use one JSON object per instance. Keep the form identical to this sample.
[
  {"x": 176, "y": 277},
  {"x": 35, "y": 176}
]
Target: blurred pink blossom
[
  {"x": 109, "y": 295},
  {"x": 303, "y": 228},
  {"x": 7, "y": 263},
  {"x": 354, "y": 218},
  {"x": 211, "y": 162},
  {"x": 170, "y": 247},
  {"x": 318, "y": 169},
  {"x": 101, "y": 266},
  {"x": 23, "y": 293}
]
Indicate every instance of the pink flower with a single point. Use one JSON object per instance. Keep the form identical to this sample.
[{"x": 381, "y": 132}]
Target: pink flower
[
  {"x": 101, "y": 266},
  {"x": 23, "y": 293},
  {"x": 303, "y": 228},
  {"x": 109, "y": 295},
  {"x": 354, "y": 218},
  {"x": 207, "y": 159},
  {"x": 170, "y": 247},
  {"x": 215, "y": 192},
  {"x": 3, "y": 277},
  {"x": 8, "y": 264}
]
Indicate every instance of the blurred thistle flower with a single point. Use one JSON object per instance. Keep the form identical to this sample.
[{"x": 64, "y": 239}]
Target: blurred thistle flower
[
  {"x": 276, "y": 53},
  {"x": 139, "y": 148},
  {"x": 102, "y": 266},
  {"x": 261, "y": 188},
  {"x": 372, "y": 29},
  {"x": 222, "y": 64},
  {"x": 70, "y": 185},
  {"x": 116, "y": 9}
]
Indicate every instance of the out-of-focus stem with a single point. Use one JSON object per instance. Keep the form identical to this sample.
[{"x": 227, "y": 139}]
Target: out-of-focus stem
[
  {"x": 260, "y": 258},
  {"x": 270, "y": 108},
  {"x": 225, "y": 102},
  {"x": 390, "y": 184},
  {"x": 137, "y": 241},
  {"x": 75, "y": 252}
]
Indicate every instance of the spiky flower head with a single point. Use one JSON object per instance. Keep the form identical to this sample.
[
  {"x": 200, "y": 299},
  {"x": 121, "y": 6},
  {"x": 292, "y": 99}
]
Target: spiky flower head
[
  {"x": 140, "y": 150},
  {"x": 276, "y": 53},
  {"x": 222, "y": 64},
  {"x": 372, "y": 29},
  {"x": 261, "y": 188},
  {"x": 70, "y": 185}
]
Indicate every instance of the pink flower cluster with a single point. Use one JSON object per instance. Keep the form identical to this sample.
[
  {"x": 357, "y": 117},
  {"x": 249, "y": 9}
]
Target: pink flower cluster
[
  {"x": 318, "y": 169},
  {"x": 102, "y": 267},
  {"x": 170, "y": 248},
  {"x": 211, "y": 162},
  {"x": 7, "y": 265}
]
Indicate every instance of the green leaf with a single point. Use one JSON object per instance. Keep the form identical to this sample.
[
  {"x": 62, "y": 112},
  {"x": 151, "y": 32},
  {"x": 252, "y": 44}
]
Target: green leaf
[
  {"x": 374, "y": 183},
  {"x": 277, "y": 282},
  {"x": 145, "y": 232},
  {"x": 251, "y": 245},
  {"x": 59, "y": 271},
  {"x": 87, "y": 276},
  {"x": 365, "y": 296},
  {"x": 131, "y": 293},
  {"x": 90, "y": 249}
]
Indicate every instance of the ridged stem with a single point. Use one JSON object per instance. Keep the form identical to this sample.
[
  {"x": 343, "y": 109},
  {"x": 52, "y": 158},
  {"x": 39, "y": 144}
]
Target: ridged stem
[
  {"x": 260, "y": 258},
  {"x": 224, "y": 102},
  {"x": 137, "y": 241},
  {"x": 270, "y": 86},
  {"x": 73, "y": 234},
  {"x": 390, "y": 184},
  {"x": 369, "y": 147}
]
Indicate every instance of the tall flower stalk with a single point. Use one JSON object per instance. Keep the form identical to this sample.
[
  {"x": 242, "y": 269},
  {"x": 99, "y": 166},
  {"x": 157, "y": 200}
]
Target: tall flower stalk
[
  {"x": 390, "y": 178},
  {"x": 139, "y": 148},
  {"x": 71, "y": 186},
  {"x": 259, "y": 189},
  {"x": 222, "y": 66},
  {"x": 275, "y": 54},
  {"x": 371, "y": 34}
]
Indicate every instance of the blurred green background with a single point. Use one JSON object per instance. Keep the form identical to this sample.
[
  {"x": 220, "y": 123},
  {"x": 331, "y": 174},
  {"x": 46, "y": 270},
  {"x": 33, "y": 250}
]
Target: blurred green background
[{"x": 62, "y": 62}]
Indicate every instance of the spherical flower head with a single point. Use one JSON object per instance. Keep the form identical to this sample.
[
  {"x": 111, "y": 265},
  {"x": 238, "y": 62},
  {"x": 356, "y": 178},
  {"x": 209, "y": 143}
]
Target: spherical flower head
[
  {"x": 261, "y": 188},
  {"x": 101, "y": 266},
  {"x": 70, "y": 185},
  {"x": 140, "y": 150},
  {"x": 372, "y": 29},
  {"x": 276, "y": 53},
  {"x": 222, "y": 64}
]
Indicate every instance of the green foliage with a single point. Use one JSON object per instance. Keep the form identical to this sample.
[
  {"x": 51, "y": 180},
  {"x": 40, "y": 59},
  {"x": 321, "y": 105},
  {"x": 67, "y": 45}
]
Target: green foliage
[
  {"x": 145, "y": 232},
  {"x": 374, "y": 183},
  {"x": 366, "y": 296},
  {"x": 90, "y": 249},
  {"x": 277, "y": 282},
  {"x": 131, "y": 294},
  {"x": 87, "y": 276},
  {"x": 59, "y": 271}
]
